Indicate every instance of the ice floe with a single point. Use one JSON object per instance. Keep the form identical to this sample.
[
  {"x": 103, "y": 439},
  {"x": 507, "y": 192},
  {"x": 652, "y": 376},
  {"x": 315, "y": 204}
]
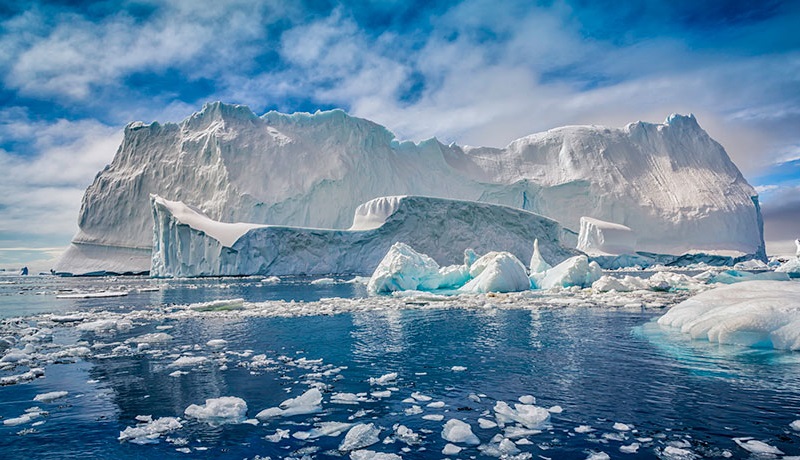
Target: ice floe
[
  {"x": 458, "y": 432},
  {"x": 360, "y": 436},
  {"x": 219, "y": 411},
  {"x": 752, "y": 313},
  {"x": 50, "y": 396},
  {"x": 149, "y": 431},
  {"x": 309, "y": 402}
]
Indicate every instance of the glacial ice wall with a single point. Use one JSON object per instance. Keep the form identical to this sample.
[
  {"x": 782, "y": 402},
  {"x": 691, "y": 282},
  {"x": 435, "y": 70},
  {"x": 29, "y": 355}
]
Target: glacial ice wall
[
  {"x": 188, "y": 243},
  {"x": 597, "y": 237},
  {"x": 670, "y": 183}
]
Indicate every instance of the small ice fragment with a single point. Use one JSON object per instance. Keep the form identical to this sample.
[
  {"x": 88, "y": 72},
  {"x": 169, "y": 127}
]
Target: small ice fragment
[
  {"x": 583, "y": 429},
  {"x": 630, "y": 448},
  {"x": 451, "y": 449},
  {"x": 184, "y": 450},
  {"x": 473, "y": 397},
  {"x": 795, "y": 425},
  {"x": 436, "y": 404},
  {"x": 360, "y": 435},
  {"x": 486, "y": 424},
  {"x": 458, "y": 368},
  {"x": 621, "y": 427},
  {"x": 188, "y": 361},
  {"x": 177, "y": 373},
  {"x": 456, "y": 431},
  {"x": 757, "y": 447},
  {"x": 413, "y": 410},
  {"x": 50, "y": 397},
  {"x": 149, "y": 432},
  {"x": 433, "y": 417},
  {"x": 279, "y": 434},
  {"x": 144, "y": 418},
  {"x": 271, "y": 280},
  {"x": 598, "y": 456},
  {"x": 385, "y": 379},
  {"x": 309, "y": 402},
  {"x": 219, "y": 411},
  {"x": 528, "y": 415},
  {"x": 527, "y": 399},
  {"x": 555, "y": 410},
  {"x": 420, "y": 397},
  {"x": 672, "y": 452},
  {"x": 372, "y": 455},
  {"x": 381, "y": 394},
  {"x": 217, "y": 343},
  {"x": 332, "y": 429},
  {"x": 406, "y": 435}
]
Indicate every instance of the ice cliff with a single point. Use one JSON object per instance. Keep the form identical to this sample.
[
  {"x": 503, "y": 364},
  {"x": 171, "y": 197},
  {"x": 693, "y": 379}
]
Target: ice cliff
[
  {"x": 672, "y": 184},
  {"x": 189, "y": 243}
]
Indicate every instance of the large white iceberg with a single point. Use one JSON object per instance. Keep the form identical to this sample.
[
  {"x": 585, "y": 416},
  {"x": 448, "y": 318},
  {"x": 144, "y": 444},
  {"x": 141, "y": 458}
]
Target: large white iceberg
[
  {"x": 672, "y": 181},
  {"x": 497, "y": 272},
  {"x": 597, "y": 237},
  {"x": 188, "y": 243},
  {"x": 752, "y": 313}
]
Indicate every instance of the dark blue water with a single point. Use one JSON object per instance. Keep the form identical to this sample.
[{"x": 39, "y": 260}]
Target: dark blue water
[{"x": 601, "y": 366}]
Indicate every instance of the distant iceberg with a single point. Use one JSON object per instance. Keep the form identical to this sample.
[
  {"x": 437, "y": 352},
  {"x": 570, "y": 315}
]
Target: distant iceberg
[{"x": 187, "y": 243}]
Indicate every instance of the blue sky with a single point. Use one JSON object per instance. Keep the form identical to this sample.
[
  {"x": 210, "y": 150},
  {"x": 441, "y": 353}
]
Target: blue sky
[{"x": 478, "y": 72}]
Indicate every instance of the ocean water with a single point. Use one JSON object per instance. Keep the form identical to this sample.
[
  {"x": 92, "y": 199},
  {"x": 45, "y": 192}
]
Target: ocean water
[{"x": 609, "y": 375}]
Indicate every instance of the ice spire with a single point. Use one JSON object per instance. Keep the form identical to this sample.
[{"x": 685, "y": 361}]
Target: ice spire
[{"x": 538, "y": 264}]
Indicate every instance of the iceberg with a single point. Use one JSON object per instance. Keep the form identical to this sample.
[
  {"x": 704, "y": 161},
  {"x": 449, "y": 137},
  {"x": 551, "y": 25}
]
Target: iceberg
[
  {"x": 188, "y": 243},
  {"x": 670, "y": 182},
  {"x": 598, "y": 237},
  {"x": 537, "y": 263},
  {"x": 760, "y": 314},
  {"x": 219, "y": 411},
  {"x": 497, "y": 272},
  {"x": 575, "y": 271}
]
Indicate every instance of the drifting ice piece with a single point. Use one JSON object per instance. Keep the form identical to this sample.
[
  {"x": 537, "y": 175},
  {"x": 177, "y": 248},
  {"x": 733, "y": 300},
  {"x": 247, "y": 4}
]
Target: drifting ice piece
[
  {"x": 404, "y": 269},
  {"x": 576, "y": 271},
  {"x": 497, "y": 272},
  {"x": 753, "y": 313},
  {"x": 188, "y": 243},
  {"x": 598, "y": 237},
  {"x": 538, "y": 264}
]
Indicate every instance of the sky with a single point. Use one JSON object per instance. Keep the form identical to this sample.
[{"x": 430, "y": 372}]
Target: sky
[{"x": 477, "y": 72}]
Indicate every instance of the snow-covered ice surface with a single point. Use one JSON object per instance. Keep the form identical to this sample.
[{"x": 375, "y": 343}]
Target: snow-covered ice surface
[
  {"x": 232, "y": 165},
  {"x": 519, "y": 375}
]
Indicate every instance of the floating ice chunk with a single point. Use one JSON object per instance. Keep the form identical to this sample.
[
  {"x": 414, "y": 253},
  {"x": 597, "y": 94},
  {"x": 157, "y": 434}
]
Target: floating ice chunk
[
  {"x": 188, "y": 361},
  {"x": 538, "y": 264},
  {"x": 626, "y": 284},
  {"x": 105, "y": 325},
  {"x": 757, "y": 447},
  {"x": 385, "y": 379},
  {"x": 575, "y": 271},
  {"x": 458, "y": 368},
  {"x": 217, "y": 343},
  {"x": 406, "y": 435},
  {"x": 219, "y": 411},
  {"x": 514, "y": 432},
  {"x": 323, "y": 429},
  {"x": 753, "y": 313},
  {"x": 795, "y": 425},
  {"x": 277, "y": 436},
  {"x": 583, "y": 429},
  {"x": 360, "y": 435},
  {"x": 31, "y": 374},
  {"x": 150, "y": 431},
  {"x": 218, "y": 305},
  {"x": 527, "y": 399},
  {"x": 29, "y": 415},
  {"x": 92, "y": 295},
  {"x": 309, "y": 402},
  {"x": 621, "y": 427},
  {"x": 598, "y": 456},
  {"x": 413, "y": 410},
  {"x": 51, "y": 396},
  {"x": 527, "y": 415},
  {"x": 752, "y": 264},
  {"x": 677, "y": 453},
  {"x": 323, "y": 281},
  {"x": 381, "y": 394},
  {"x": 451, "y": 449},
  {"x": 630, "y": 448},
  {"x": 486, "y": 424},
  {"x": 791, "y": 266},
  {"x": 735, "y": 276},
  {"x": 555, "y": 410},
  {"x": 372, "y": 455},
  {"x": 271, "y": 280},
  {"x": 669, "y": 281},
  {"x": 404, "y": 269},
  {"x": 436, "y": 404},
  {"x": 433, "y": 417},
  {"x": 420, "y": 397},
  {"x": 497, "y": 272},
  {"x": 155, "y": 337},
  {"x": 459, "y": 432},
  {"x": 347, "y": 398}
]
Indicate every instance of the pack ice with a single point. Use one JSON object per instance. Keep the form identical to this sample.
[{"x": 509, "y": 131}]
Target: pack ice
[
  {"x": 189, "y": 243},
  {"x": 670, "y": 183}
]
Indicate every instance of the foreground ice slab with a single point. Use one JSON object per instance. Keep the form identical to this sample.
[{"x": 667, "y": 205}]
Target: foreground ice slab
[
  {"x": 188, "y": 243},
  {"x": 671, "y": 183},
  {"x": 752, "y": 313},
  {"x": 576, "y": 271}
]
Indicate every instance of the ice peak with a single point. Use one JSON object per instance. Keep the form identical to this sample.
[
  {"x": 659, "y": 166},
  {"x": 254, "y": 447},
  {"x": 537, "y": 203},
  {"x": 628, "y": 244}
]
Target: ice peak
[{"x": 677, "y": 119}]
